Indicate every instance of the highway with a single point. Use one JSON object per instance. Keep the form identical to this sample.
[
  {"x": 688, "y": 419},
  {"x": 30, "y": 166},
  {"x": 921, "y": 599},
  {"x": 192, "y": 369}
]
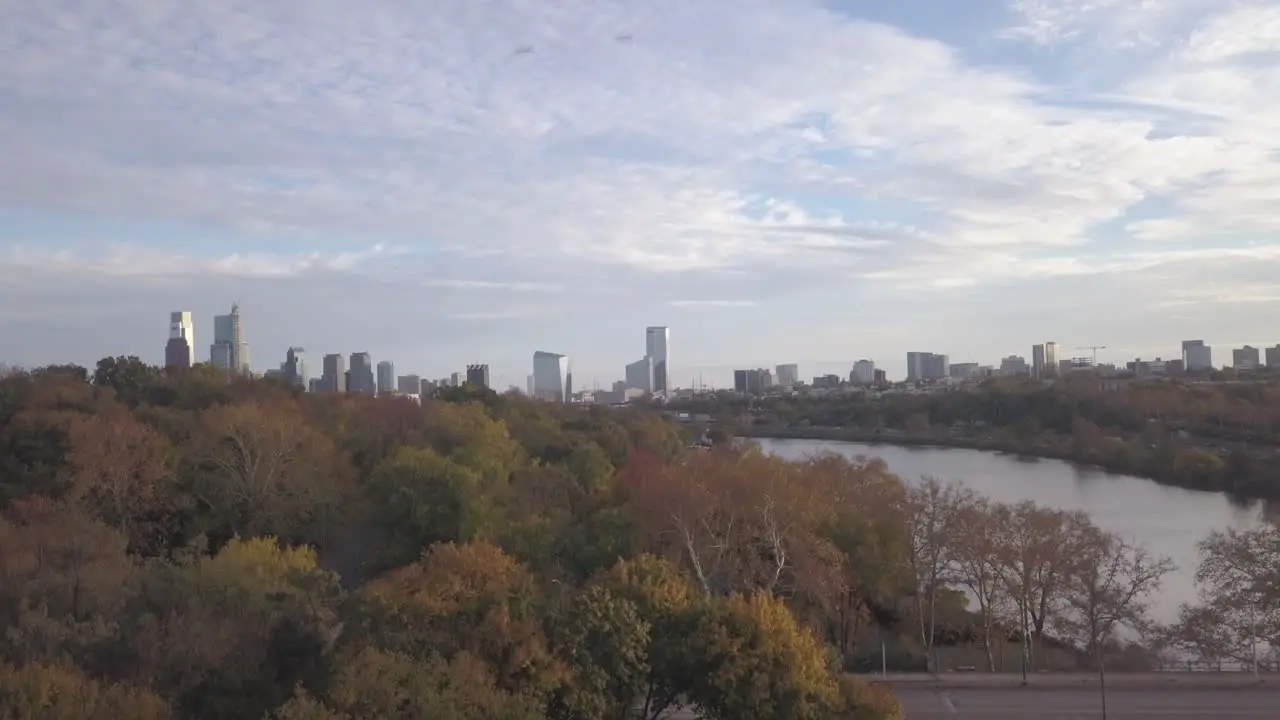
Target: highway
[{"x": 1204, "y": 696}]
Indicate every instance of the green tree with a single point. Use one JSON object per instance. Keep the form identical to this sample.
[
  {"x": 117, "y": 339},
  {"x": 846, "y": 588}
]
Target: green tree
[{"x": 605, "y": 642}]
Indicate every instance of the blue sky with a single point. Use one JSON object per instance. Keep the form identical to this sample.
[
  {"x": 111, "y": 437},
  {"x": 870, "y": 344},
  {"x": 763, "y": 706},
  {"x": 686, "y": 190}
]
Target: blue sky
[{"x": 800, "y": 181}]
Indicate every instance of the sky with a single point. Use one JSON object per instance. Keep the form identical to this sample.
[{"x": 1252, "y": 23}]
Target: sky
[{"x": 804, "y": 181}]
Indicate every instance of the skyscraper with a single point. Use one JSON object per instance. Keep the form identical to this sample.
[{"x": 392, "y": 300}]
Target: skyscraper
[
  {"x": 639, "y": 374},
  {"x": 478, "y": 375},
  {"x": 864, "y": 372},
  {"x": 657, "y": 342},
  {"x": 386, "y": 377},
  {"x": 229, "y": 351},
  {"x": 360, "y": 375},
  {"x": 334, "y": 378},
  {"x": 294, "y": 369},
  {"x": 1196, "y": 355},
  {"x": 787, "y": 375},
  {"x": 180, "y": 351},
  {"x": 550, "y": 376}
]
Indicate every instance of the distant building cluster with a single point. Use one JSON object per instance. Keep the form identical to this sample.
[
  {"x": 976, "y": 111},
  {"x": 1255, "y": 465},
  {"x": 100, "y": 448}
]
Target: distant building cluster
[{"x": 552, "y": 380}]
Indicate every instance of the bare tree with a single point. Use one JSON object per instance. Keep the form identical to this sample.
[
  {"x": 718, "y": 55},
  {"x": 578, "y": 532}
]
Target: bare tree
[
  {"x": 1108, "y": 588},
  {"x": 933, "y": 521},
  {"x": 1038, "y": 554},
  {"x": 981, "y": 527}
]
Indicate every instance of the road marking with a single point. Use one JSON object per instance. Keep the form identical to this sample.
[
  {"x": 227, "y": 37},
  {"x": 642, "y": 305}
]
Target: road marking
[{"x": 946, "y": 702}]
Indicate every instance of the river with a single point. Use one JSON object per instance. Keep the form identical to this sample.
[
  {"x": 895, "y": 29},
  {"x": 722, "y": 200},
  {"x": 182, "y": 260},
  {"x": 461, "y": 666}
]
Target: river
[{"x": 1169, "y": 521}]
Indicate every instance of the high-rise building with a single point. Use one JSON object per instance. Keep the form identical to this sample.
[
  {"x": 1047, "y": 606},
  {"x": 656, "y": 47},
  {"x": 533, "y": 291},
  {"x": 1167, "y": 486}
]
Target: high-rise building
[
  {"x": 657, "y": 344},
  {"x": 386, "y": 377},
  {"x": 927, "y": 366},
  {"x": 1196, "y": 356},
  {"x": 1273, "y": 356},
  {"x": 180, "y": 351},
  {"x": 229, "y": 350},
  {"x": 864, "y": 372},
  {"x": 1014, "y": 365},
  {"x": 787, "y": 375},
  {"x": 294, "y": 369},
  {"x": 334, "y": 378},
  {"x": 455, "y": 379},
  {"x": 1245, "y": 358},
  {"x": 478, "y": 375},
  {"x": 409, "y": 384},
  {"x": 639, "y": 374},
  {"x": 360, "y": 377},
  {"x": 550, "y": 376},
  {"x": 752, "y": 381},
  {"x": 528, "y": 386},
  {"x": 1044, "y": 360}
]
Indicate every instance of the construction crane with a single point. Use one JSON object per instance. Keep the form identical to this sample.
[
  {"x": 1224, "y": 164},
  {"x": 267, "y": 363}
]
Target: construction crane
[{"x": 1094, "y": 349}]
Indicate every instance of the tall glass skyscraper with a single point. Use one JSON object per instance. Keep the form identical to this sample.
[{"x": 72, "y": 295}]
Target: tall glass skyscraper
[{"x": 657, "y": 344}]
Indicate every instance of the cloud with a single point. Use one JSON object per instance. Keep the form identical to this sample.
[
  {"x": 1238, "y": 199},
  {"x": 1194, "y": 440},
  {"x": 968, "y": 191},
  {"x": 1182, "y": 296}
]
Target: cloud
[
  {"x": 403, "y": 166},
  {"x": 712, "y": 303}
]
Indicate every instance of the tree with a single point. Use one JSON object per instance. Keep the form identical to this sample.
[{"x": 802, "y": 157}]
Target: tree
[
  {"x": 52, "y": 692},
  {"x": 754, "y": 660},
  {"x": 980, "y": 528},
  {"x": 461, "y": 598},
  {"x": 260, "y": 469},
  {"x": 1109, "y": 587},
  {"x": 229, "y": 636},
  {"x": 606, "y": 645},
  {"x": 119, "y": 468},
  {"x": 934, "y": 513},
  {"x": 421, "y": 498},
  {"x": 665, "y": 599},
  {"x": 130, "y": 378},
  {"x": 1038, "y": 554}
]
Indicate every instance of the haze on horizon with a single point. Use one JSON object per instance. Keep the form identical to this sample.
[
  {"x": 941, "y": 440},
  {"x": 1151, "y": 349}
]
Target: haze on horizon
[{"x": 810, "y": 182}]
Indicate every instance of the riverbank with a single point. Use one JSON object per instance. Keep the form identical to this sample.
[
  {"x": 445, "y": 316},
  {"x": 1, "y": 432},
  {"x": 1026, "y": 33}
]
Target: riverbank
[{"x": 1169, "y": 471}]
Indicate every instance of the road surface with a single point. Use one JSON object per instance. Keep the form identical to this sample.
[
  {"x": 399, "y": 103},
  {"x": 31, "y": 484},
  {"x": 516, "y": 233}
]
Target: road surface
[
  {"x": 1146, "y": 696},
  {"x": 924, "y": 703}
]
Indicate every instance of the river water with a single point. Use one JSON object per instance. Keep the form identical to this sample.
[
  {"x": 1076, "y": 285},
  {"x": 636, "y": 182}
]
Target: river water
[{"x": 1169, "y": 521}]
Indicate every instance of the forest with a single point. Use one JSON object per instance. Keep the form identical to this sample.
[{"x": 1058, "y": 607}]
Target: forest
[
  {"x": 177, "y": 544},
  {"x": 1222, "y": 436}
]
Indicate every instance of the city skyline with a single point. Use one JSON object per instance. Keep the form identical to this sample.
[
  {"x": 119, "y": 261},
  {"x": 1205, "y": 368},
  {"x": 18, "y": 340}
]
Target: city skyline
[
  {"x": 1043, "y": 360},
  {"x": 817, "y": 182}
]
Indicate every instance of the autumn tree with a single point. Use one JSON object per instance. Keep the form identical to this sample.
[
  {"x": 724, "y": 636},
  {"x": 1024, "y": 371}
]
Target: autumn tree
[
  {"x": 120, "y": 469},
  {"x": 54, "y": 692},
  {"x": 260, "y": 469},
  {"x": 754, "y": 660},
  {"x": 980, "y": 529},
  {"x": 461, "y": 598},
  {"x": 934, "y": 513}
]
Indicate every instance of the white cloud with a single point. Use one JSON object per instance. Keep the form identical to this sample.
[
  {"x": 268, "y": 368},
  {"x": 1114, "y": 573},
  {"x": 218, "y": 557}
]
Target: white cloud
[{"x": 799, "y": 162}]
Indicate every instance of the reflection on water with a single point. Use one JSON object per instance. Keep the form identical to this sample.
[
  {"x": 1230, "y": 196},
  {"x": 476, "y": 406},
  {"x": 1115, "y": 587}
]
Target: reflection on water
[{"x": 1170, "y": 521}]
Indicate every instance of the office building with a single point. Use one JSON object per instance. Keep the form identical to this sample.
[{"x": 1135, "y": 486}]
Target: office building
[
  {"x": 229, "y": 352},
  {"x": 528, "y": 386},
  {"x": 964, "y": 371},
  {"x": 1014, "y": 365},
  {"x": 478, "y": 375},
  {"x": 864, "y": 373},
  {"x": 409, "y": 384},
  {"x": 753, "y": 381},
  {"x": 360, "y": 377},
  {"x": 1245, "y": 358},
  {"x": 294, "y": 369},
  {"x": 880, "y": 377},
  {"x": 550, "y": 376},
  {"x": 386, "y": 380},
  {"x": 1196, "y": 356},
  {"x": 657, "y": 344},
  {"x": 1044, "y": 361},
  {"x": 180, "y": 351},
  {"x": 927, "y": 366},
  {"x": 455, "y": 379},
  {"x": 639, "y": 374},
  {"x": 787, "y": 375},
  {"x": 334, "y": 377},
  {"x": 1273, "y": 356}
]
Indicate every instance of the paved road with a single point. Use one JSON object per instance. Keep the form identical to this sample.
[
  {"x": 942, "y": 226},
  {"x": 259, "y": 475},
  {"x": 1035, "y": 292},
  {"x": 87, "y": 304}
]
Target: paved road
[{"x": 921, "y": 703}]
